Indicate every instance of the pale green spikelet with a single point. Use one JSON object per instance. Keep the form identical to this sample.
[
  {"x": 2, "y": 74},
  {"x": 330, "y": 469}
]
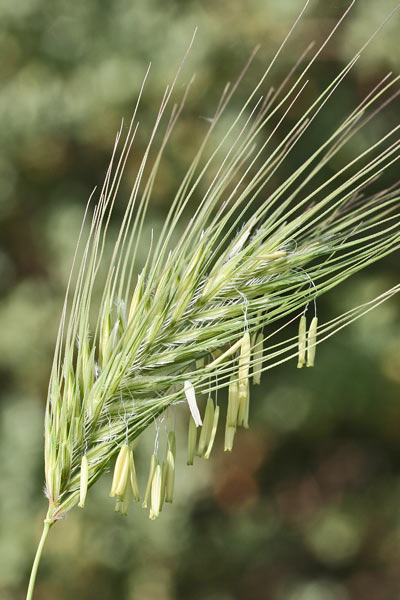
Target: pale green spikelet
[
  {"x": 311, "y": 342},
  {"x": 105, "y": 336},
  {"x": 65, "y": 459},
  {"x": 136, "y": 297}
]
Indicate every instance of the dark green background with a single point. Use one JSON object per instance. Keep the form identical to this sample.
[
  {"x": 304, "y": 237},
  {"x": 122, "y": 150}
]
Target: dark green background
[{"x": 307, "y": 505}]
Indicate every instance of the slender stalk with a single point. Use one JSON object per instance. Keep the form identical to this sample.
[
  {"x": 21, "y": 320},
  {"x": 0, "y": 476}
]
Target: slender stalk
[{"x": 32, "y": 579}]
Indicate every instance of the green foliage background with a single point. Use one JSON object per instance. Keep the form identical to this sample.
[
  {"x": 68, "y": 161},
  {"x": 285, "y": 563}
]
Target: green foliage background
[{"x": 307, "y": 505}]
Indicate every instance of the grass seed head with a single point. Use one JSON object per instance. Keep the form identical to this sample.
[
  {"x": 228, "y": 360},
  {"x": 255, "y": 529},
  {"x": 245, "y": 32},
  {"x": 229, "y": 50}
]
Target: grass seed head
[{"x": 267, "y": 238}]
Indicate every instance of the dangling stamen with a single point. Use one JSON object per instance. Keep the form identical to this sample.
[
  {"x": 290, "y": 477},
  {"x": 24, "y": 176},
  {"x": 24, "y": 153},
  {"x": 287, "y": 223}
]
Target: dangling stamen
[
  {"x": 213, "y": 432},
  {"x": 171, "y": 452},
  {"x": 244, "y": 366},
  {"x": 231, "y": 415},
  {"x": 244, "y": 398},
  {"x": 311, "y": 342},
  {"x": 233, "y": 404},
  {"x": 192, "y": 441},
  {"x": 156, "y": 493},
  {"x": 191, "y": 400},
  {"x": 302, "y": 342},
  {"x": 206, "y": 428},
  {"x": 164, "y": 472},
  {"x": 121, "y": 472},
  {"x": 125, "y": 501},
  {"x": 258, "y": 352},
  {"x": 229, "y": 437},
  {"x": 153, "y": 464},
  {"x": 84, "y": 481},
  {"x": 132, "y": 477}
]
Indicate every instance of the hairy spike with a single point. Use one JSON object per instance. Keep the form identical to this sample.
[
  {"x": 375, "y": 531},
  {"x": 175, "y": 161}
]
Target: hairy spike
[
  {"x": 267, "y": 236},
  {"x": 264, "y": 241}
]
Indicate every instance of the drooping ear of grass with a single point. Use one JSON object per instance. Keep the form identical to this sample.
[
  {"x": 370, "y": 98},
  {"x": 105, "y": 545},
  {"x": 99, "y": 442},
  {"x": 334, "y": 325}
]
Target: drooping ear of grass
[{"x": 203, "y": 311}]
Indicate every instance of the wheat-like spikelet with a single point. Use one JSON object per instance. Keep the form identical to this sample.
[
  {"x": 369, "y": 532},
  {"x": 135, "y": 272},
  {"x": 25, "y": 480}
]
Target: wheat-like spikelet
[{"x": 203, "y": 312}]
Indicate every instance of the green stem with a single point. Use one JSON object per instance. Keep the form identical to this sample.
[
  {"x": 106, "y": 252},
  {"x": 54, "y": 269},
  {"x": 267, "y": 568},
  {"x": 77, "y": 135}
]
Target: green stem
[{"x": 32, "y": 579}]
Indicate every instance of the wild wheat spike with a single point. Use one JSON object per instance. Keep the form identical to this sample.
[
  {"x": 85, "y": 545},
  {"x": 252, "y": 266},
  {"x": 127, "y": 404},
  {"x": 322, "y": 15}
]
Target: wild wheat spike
[{"x": 219, "y": 281}]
